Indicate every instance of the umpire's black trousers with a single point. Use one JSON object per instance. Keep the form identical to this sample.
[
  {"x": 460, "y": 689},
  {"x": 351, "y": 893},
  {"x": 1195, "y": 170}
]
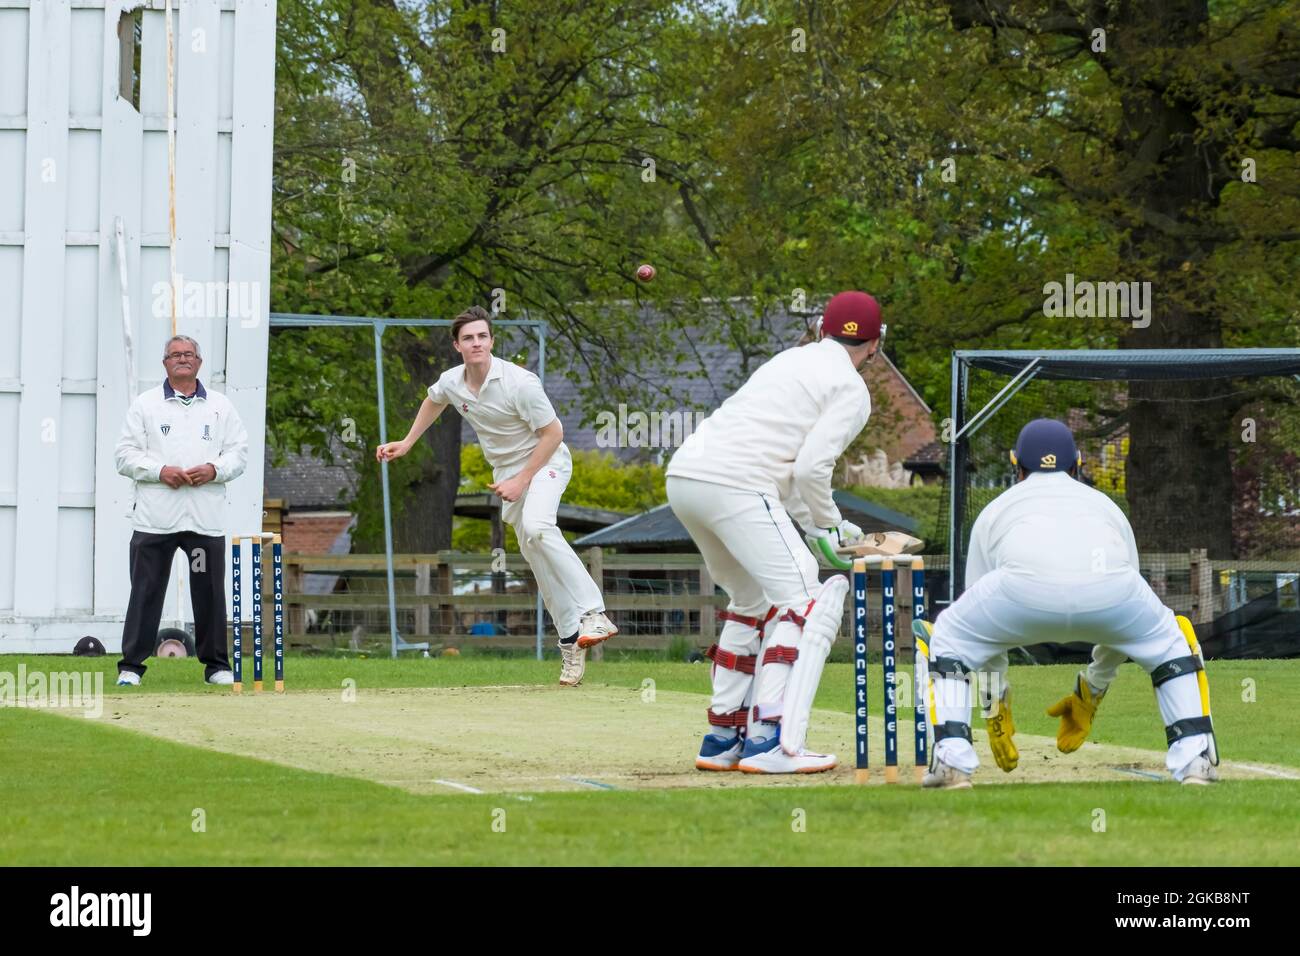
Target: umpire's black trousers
[{"x": 151, "y": 565}]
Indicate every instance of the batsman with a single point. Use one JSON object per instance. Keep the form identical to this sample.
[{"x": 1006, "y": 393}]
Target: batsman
[
  {"x": 755, "y": 467},
  {"x": 1051, "y": 559}
]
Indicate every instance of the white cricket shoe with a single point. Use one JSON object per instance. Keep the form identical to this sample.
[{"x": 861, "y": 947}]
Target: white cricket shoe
[
  {"x": 1200, "y": 772},
  {"x": 766, "y": 756},
  {"x": 719, "y": 753},
  {"x": 573, "y": 659},
  {"x": 128, "y": 679},
  {"x": 594, "y": 628},
  {"x": 944, "y": 777},
  {"x": 225, "y": 678}
]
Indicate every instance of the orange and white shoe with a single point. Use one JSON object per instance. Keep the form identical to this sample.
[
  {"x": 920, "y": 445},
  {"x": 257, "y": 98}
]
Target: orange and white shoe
[
  {"x": 719, "y": 753},
  {"x": 594, "y": 628},
  {"x": 766, "y": 756}
]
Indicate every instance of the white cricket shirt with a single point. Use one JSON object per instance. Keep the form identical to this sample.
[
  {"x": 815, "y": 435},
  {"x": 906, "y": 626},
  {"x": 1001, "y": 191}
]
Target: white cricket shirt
[
  {"x": 506, "y": 414},
  {"x": 1051, "y": 526},
  {"x": 782, "y": 432}
]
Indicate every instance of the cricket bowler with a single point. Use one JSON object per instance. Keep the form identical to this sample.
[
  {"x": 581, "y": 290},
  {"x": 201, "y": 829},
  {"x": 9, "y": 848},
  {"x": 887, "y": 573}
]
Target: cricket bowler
[{"x": 523, "y": 441}]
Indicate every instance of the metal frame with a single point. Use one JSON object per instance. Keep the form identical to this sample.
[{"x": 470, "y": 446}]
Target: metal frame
[
  {"x": 290, "y": 320},
  {"x": 963, "y": 429}
]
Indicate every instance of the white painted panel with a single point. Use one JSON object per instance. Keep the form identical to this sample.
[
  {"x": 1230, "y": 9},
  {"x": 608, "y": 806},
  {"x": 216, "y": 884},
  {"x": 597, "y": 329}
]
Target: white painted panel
[
  {"x": 196, "y": 158},
  {"x": 77, "y": 447},
  {"x": 82, "y": 172},
  {"x": 9, "y": 442},
  {"x": 75, "y": 560},
  {"x": 11, "y": 298},
  {"x": 43, "y": 285},
  {"x": 250, "y": 236},
  {"x": 155, "y": 314},
  {"x": 153, "y": 183},
  {"x": 13, "y": 62},
  {"x": 222, "y": 219},
  {"x": 87, "y": 62},
  {"x": 214, "y": 341},
  {"x": 153, "y": 62},
  {"x": 13, "y": 162},
  {"x": 80, "y": 307},
  {"x": 225, "y": 105},
  {"x": 120, "y": 164},
  {"x": 8, "y": 539}
]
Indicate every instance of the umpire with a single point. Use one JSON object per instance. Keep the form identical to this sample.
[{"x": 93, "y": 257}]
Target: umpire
[{"x": 180, "y": 445}]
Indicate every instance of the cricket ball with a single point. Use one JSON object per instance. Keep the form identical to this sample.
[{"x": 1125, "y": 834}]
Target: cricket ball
[{"x": 645, "y": 273}]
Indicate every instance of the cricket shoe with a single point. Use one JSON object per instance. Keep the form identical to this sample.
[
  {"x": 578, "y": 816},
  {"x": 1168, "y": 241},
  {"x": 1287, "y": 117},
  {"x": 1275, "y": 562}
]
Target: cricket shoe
[
  {"x": 766, "y": 756},
  {"x": 1200, "y": 772},
  {"x": 225, "y": 678},
  {"x": 573, "y": 657},
  {"x": 128, "y": 679},
  {"x": 719, "y": 753},
  {"x": 594, "y": 628},
  {"x": 943, "y": 777}
]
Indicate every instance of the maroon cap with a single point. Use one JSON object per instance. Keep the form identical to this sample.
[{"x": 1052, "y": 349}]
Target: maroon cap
[{"x": 852, "y": 315}]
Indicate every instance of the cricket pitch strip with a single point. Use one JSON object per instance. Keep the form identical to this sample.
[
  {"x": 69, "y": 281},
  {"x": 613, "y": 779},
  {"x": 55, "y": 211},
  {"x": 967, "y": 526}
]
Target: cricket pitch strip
[{"x": 525, "y": 739}]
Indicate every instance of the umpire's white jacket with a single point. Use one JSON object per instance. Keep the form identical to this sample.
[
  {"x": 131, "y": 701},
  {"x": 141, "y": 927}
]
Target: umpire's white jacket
[{"x": 162, "y": 428}]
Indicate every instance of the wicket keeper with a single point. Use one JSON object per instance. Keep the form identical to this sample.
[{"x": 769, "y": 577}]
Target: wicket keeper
[{"x": 1054, "y": 560}]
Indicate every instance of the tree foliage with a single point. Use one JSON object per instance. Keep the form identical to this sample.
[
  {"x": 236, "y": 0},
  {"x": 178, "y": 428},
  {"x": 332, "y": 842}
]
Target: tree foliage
[{"x": 951, "y": 156}]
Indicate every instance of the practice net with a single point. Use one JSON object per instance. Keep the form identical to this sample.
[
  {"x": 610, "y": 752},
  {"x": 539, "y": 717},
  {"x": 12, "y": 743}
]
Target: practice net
[{"x": 1200, "y": 448}]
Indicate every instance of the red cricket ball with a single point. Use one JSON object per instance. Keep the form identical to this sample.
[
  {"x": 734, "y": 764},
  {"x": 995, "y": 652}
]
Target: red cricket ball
[{"x": 645, "y": 273}]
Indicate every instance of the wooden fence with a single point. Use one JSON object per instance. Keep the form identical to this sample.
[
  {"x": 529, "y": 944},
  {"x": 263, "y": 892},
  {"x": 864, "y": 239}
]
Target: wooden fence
[
  {"x": 673, "y": 589},
  {"x": 426, "y": 590}
]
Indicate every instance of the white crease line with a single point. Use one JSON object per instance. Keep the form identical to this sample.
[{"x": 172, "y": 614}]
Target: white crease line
[
  {"x": 1272, "y": 773},
  {"x": 458, "y": 786},
  {"x": 1140, "y": 773}
]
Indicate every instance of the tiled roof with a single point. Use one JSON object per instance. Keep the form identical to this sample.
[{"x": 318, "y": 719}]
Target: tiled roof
[
  {"x": 932, "y": 454},
  {"x": 660, "y": 525},
  {"x": 306, "y": 482}
]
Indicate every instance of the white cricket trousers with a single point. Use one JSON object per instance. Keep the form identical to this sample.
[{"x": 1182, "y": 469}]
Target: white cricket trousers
[
  {"x": 567, "y": 588},
  {"x": 755, "y": 553},
  {"x": 1004, "y": 609}
]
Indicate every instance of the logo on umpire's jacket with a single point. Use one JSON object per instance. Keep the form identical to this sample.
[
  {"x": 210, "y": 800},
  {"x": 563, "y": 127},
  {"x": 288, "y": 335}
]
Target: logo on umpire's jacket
[
  {"x": 1048, "y": 461},
  {"x": 166, "y": 429},
  {"x": 207, "y": 433}
]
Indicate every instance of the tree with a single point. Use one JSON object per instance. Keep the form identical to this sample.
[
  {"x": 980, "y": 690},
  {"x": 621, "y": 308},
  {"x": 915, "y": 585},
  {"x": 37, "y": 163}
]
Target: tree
[
  {"x": 959, "y": 155},
  {"x": 431, "y": 156}
]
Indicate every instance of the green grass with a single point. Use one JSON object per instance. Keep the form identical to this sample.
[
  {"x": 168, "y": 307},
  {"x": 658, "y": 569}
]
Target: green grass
[{"x": 81, "y": 792}]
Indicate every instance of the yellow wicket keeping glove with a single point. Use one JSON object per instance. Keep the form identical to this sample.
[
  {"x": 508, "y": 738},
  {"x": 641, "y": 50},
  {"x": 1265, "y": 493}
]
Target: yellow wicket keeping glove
[
  {"x": 1076, "y": 712},
  {"x": 1001, "y": 729}
]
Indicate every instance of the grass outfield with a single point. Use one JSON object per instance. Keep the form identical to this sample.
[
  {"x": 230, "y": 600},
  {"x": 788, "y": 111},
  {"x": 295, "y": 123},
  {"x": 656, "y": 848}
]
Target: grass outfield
[{"x": 86, "y": 792}]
